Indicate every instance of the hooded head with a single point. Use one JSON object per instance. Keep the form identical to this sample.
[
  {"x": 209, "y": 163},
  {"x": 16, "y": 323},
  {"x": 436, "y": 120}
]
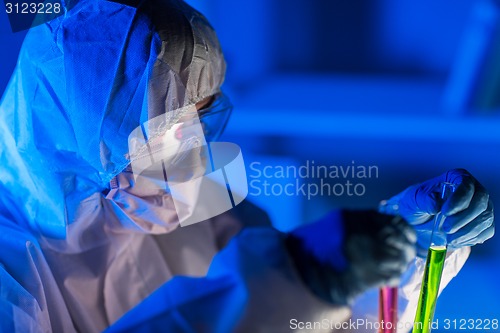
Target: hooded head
[{"x": 83, "y": 83}]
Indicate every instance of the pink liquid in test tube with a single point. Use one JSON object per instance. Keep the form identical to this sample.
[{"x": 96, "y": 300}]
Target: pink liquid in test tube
[{"x": 388, "y": 309}]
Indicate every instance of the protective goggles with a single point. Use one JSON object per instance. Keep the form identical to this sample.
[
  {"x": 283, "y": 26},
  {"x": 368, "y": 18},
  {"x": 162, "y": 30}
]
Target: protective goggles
[{"x": 215, "y": 117}]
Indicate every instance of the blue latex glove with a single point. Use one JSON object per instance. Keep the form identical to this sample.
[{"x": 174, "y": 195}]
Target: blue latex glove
[
  {"x": 348, "y": 252},
  {"x": 469, "y": 210}
]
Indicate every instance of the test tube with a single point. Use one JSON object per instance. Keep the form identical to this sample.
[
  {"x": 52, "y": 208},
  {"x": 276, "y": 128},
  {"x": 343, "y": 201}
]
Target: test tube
[
  {"x": 433, "y": 270},
  {"x": 388, "y": 298},
  {"x": 388, "y": 309}
]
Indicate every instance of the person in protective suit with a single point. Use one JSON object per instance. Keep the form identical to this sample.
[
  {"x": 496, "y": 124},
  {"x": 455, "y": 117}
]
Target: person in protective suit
[{"x": 86, "y": 247}]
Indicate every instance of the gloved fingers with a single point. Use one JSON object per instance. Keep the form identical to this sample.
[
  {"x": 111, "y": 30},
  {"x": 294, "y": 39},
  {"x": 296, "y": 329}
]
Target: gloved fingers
[
  {"x": 379, "y": 277},
  {"x": 404, "y": 230},
  {"x": 428, "y": 198},
  {"x": 397, "y": 241},
  {"x": 381, "y": 256},
  {"x": 381, "y": 233},
  {"x": 455, "y": 176},
  {"x": 394, "y": 245},
  {"x": 370, "y": 272},
  {"x": 477, "y": 205},
  {"x": 364, "y": 251},
  {"x": 396, "y": 249},
  {"x": 385, "y": 271},
  {"x": 481, "y": 238},
  {"x": 475, "y": 231},
  {"x": 399, "y": 250},
  {"x": 466, "y": 186},
  {"x": 416, "y": 203},
  {"x": 395, "y": 264},
  {"x": 388, "y": 271}
]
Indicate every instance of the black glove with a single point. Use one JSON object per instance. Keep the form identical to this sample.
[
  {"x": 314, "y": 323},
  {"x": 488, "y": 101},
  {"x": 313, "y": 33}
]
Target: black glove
[{"x": 348, "y": 252}]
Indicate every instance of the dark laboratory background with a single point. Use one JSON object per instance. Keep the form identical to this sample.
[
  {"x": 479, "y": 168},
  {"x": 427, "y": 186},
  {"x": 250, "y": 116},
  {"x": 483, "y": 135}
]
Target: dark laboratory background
[{"x": 411, "y": 87}]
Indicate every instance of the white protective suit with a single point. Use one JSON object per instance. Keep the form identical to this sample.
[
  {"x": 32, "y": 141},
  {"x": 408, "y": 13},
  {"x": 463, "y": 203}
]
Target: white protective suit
[{"x": 75, "y": 256}]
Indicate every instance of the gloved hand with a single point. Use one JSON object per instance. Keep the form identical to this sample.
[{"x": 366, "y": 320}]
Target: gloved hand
[
  {"x": 468, "y": 211},
  {"x": 348, "y": 252}
]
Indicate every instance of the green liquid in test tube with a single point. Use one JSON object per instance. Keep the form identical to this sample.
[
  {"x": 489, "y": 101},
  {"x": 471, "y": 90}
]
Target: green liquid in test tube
[{"x": 433, "y": 270}]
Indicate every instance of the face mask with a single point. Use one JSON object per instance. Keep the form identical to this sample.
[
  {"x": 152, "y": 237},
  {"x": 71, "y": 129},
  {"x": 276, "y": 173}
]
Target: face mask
[{"x": 176, "y": 170}]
